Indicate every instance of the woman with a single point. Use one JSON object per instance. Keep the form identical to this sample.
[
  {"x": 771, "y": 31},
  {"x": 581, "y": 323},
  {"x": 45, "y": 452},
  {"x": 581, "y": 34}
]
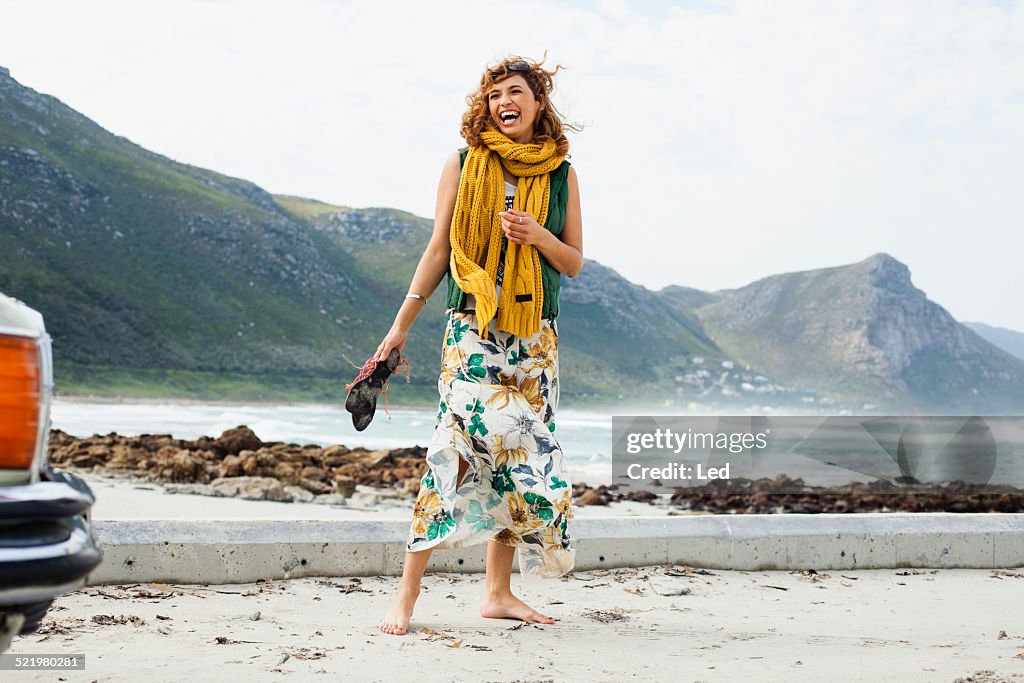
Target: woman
[{"x": 495, "y": 471}]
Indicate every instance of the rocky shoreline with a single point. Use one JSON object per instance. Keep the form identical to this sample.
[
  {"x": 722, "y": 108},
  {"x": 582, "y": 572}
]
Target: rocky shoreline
[{"x": 239, "y": 464}]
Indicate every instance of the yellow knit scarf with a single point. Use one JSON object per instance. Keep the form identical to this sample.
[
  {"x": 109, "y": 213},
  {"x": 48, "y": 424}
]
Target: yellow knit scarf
[{"x": 476, "y": 231}]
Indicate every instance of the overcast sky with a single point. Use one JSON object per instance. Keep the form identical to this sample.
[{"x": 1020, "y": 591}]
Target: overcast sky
[{"x": 723, "y": 141}]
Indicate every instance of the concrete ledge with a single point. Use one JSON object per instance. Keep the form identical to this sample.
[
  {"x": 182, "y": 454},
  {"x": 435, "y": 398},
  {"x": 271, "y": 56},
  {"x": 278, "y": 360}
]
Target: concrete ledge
[{"x": 233, "y": 551}]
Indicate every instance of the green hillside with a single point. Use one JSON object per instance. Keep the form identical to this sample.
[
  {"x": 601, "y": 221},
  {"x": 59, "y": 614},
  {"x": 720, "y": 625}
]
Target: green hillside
[{"x": 161, "y": 279}]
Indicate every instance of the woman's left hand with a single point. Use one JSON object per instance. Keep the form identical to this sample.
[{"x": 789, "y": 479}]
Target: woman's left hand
[{"x": 521, "y": 227}]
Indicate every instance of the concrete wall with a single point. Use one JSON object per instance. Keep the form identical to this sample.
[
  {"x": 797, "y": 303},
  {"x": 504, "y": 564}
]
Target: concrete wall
[{"x": 233, "y": 551}]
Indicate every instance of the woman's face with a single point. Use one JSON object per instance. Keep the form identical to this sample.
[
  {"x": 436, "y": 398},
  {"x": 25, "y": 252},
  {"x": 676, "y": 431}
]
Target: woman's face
[{"x": 513, "y": 108}]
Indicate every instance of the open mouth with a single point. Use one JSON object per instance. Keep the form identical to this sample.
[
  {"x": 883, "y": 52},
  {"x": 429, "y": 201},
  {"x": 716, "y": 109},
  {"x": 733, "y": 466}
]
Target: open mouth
[{"x": 508, "y": 118}]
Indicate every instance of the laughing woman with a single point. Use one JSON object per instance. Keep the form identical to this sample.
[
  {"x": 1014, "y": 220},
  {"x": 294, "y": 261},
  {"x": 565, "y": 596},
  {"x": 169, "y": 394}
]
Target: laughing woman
[{"x": 507, "y": 225}]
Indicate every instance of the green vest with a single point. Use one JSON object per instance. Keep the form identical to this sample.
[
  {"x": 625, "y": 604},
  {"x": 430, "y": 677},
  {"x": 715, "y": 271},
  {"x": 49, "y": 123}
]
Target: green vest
[{"x": 551, "y": 278}]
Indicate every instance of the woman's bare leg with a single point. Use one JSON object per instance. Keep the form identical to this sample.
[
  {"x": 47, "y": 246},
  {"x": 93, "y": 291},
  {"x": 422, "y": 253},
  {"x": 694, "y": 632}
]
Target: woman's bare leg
[
  {"x": 499, "y": 603},
  {"x": 396, "y": 621}
]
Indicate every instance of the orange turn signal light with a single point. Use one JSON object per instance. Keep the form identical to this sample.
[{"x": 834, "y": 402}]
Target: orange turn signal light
[{"x": 19, "y": 401}]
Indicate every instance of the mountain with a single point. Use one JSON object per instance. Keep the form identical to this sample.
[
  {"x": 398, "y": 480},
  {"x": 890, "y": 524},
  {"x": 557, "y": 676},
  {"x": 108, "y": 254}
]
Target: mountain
[
  {"x": 138, "y": 261},
  {"x": 864, "y": 331},
  {"x": 614, "y": 335},
  {"x": 1008, "y": 340},
  {"x": 158, "y": 278}
]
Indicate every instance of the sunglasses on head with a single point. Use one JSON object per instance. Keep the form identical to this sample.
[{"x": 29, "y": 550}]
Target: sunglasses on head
[{"x": 518, "y": 65}]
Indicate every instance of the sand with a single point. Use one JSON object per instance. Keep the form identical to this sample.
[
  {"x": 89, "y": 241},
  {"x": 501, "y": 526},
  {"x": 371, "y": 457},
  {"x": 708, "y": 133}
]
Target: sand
[
  {"x": 645, "y": 624},
  {"x": 120, "y": 498}
]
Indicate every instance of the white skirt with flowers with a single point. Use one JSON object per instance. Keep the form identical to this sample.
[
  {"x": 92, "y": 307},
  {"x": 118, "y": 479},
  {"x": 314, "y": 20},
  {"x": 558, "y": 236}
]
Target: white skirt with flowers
[{"x": 498, "y": 400}]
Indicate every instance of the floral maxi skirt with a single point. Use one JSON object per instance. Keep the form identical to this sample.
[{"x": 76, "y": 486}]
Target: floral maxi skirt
[{"x": 498, "y": 397}]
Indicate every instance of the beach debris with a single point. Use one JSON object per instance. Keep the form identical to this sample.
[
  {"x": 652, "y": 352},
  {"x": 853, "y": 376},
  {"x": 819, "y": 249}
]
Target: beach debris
[
  {"x": 457, "y": 643},
  {"x": 108, "y": 619},
  {"x": 851, "y": 578},
  {"x": 53, "y": 627},
  {"x": 435, "y": 635},
  {"x": 307, "y": 653},
  {"x": 265, "y": 585},
  {"x": 607, "y": 616},
  {"x": 1000, "y": 573},
  {"x": 778, "y": 588},
  {"x": 1002, "y": 636},
  {"x": 165, "y": 588},
  {"x": 986, "y": 676},
  {"x": 284, "y": 658},
  {"x": 255, "y": 616},
  {"x": 811, "y": 574},
  {"x": 224, "y": 640},
  {"x": 163, "y": 617},
  {"x": 596, "y": 585},
  {"x": 134, "y": 591},
  {"x": 635, "y": 590},
  {"x": 914, "y": 572},
  {"x": 667, "y": 590},
  {"x": 355, "y": 585},
  {"x": 684, "y": 570}
]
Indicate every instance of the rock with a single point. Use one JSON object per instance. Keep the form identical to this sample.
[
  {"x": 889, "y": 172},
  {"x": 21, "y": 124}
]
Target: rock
[
  {"x": 333, "y": 456},
  {"x": 314, "y": 473},
  {"x": 236, "y": 440},
  {"x": 186, "y": 467},
  {"x": 230, "y": 466},
  {"x": 250, "y": 488},
  {"x": 249, "y": 464},
  {"x": 362, "y": 499},
  {"x": 315, "y": 487},
  {"x": 377, "y": 458},
  {"x": 330, "y": 499},
  {"x": 591, "y": 497},
  {"x": 297, "y": 494},
  {"x": 343, "y": 485},
  {"x": 196, "y": 489},
  {"x": 285, "y": 472}
]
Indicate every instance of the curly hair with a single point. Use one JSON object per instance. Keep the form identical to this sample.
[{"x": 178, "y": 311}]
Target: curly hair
[{"x": 550, "y": 123}]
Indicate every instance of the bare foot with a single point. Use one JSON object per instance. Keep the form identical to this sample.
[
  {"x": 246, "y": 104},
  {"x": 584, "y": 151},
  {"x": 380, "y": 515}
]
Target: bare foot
[
  {"x": 396, "y": 621},
  {"x": 508, "y": 606}
]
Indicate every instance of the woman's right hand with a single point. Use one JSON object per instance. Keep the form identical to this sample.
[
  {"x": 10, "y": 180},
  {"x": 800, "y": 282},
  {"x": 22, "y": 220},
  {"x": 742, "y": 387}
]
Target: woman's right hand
[{"x": 395, "y": 339}]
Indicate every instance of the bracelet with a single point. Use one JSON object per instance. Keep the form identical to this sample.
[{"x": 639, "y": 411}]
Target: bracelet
[{"x": 417, "y": 296}]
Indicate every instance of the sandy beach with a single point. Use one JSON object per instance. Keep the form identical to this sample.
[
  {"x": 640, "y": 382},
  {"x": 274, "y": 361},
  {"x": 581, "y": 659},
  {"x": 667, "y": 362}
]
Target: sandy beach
[{"x": 648, "y": 624}]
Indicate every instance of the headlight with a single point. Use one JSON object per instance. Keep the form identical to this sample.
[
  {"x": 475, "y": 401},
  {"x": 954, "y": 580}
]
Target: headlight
[{"x": 26, "y": 383}]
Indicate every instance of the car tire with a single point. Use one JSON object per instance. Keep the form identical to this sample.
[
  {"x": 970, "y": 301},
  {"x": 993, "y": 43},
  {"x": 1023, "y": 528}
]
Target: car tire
[{"x": 34, "y": 613}]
